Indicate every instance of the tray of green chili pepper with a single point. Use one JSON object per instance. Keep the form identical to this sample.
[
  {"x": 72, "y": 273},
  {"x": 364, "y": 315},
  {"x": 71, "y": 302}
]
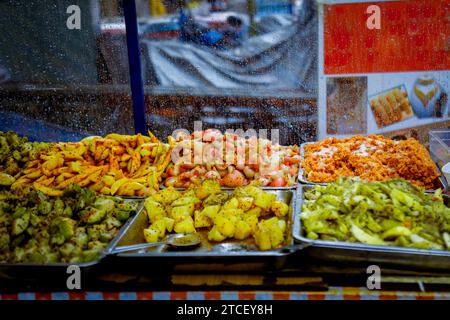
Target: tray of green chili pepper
[{"x": 391, "y": 222}]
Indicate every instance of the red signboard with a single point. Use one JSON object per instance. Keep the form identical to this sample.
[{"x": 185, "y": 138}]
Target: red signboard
[{"x": 414, "y": 36}]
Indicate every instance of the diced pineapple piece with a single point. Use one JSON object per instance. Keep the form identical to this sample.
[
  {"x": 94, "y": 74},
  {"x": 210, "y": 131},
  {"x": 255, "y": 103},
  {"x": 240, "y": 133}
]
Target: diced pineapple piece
[
  {"x": 207, "y": 188},
  {"x": 155, "y": 210},
  {"x": 160, "y": 226},
  {"x": 251, "y": 220},
  {"x": 233, "y": 203},
  {"x": 270, "y": 233},
  {"x": 225, "y": 226},
  {"x": 201, "y": 220},
  {"x": 240, "y": 192},
  {"x": 243, "y": 230},
  {"x": 185, "y": 226},
  {"x": 232, "y": 214},
  {"x": 264, "y": 200},
  {"x": 282, "y": 225},
  {"x": 255, "y": 211},
  {"x": 211, "y": 211},
  {"x": 166, "y": 196},
  {"x": 182, "y": 212},
  {"x": 215, "y": 235},
  {"x": 277, "y": 233},
  {"x": 185, "y": 200},
  {"x": 245, "y": 203},
  {"x": 262, "y": 238},
  {"x": 280, "y": 209},
  {"x": 189, "y": 193},
  {"x": 151, "y": 235},
  {"x": 252, "y": 191},
  {"x": 169, "y": 223}
]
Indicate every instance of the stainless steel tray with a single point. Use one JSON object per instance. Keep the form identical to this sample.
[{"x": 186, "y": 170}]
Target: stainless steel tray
[
  {"x": 349, "y": 252},
  {"x": 208, "y": 252},
  {"x": 441, "y": 181},
  {"x": 161, "y": 186},
  {"x": 39, "y": 267}
]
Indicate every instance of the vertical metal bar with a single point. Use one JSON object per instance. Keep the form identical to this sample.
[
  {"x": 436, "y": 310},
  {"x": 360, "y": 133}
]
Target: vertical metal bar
[{"x": 134, "y": 63}]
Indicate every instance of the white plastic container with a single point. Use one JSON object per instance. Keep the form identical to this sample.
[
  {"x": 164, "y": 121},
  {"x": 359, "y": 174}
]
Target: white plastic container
[{"x": 440, "y": 146}]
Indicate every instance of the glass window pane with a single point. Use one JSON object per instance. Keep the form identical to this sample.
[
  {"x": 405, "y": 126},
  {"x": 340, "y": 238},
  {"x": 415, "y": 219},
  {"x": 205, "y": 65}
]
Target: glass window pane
[
  {"x": 230, "y": 64},
  {"x": 63, "y": 69}
]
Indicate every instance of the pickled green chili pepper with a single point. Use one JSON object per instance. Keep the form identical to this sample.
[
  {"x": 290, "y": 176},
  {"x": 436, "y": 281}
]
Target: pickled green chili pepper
[{"x": 377, "y": 213}]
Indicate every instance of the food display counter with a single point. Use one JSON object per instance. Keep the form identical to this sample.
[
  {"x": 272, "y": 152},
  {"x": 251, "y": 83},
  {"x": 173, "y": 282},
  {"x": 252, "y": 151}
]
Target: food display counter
[
  {"x": 333, "y": 294},
  {"x": 308, "y": 162},
  {"x": 124, "y": 207}
]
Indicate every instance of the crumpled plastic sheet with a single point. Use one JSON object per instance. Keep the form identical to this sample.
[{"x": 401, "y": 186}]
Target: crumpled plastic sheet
[{"x": 284, "y": 59}]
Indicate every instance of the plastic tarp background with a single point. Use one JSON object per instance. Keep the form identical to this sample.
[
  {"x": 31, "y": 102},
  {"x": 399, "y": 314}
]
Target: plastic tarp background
[{"x": 284, "y": 59}]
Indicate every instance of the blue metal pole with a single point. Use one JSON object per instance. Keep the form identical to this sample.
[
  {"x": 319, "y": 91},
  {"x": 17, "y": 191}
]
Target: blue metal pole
[{"x": 134, "y": 62}]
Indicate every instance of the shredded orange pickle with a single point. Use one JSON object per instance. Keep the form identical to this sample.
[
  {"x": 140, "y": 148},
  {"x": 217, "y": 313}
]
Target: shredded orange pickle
[{"x": 372, "y": 158}]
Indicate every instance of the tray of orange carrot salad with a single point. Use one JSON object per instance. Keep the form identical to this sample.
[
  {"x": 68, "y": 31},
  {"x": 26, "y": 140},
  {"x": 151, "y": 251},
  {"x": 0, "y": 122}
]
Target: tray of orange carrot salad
[{"x": 371, "y": 158}]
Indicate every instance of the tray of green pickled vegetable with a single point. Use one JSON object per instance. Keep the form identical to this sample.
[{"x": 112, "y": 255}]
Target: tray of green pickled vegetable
[
  {"x": 390, "y": 222},
  {"x": 78, "y": 228}
]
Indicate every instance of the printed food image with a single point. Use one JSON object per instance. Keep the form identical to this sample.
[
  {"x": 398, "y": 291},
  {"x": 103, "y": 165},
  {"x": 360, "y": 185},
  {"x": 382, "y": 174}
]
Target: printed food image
[
  {"x": 114, "y": 165},
  {"x": 372, "y": 158},
  {"x": 428, "y": 98},
  {"x": 233, "y": 161},
  {"x": 391, "y": 107},
  {"x": 377, "y": 213},
  {"x": 246, "y": 213},
  {"x": 73, "y": 228}
]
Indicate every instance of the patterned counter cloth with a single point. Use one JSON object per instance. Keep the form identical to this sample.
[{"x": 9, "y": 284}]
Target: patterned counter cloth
[{"x": 335, "y": 293}]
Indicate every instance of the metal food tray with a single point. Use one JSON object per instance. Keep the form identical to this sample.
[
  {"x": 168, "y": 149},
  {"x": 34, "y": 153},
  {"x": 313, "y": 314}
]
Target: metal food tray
[
  {"x": 162, "y": 186},
  {"x": 50, "y": 267},
  {"x": 229, "y": 251},
  {"x": 441, "y": 181},
  {"x": 350, "y": 252}
]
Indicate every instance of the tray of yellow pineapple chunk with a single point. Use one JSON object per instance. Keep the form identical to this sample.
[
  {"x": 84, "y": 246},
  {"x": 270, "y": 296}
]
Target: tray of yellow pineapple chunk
[{"x": 241, "y": 222}]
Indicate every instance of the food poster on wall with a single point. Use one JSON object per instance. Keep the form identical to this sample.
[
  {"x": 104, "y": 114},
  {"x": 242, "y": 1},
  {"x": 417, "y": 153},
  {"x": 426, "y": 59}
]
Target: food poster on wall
[{"x": 384, "y": 66}]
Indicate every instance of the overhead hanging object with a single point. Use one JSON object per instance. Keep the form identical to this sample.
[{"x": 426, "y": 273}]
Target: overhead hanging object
[{"x": 157, "y": 8}]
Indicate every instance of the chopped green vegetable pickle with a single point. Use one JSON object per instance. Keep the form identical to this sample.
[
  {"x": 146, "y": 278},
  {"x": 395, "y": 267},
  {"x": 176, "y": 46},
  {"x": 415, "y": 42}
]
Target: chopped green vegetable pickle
[
  {"x": 15, "y": 153},
  {"x": 377, "y": 213},
  {"x": 73, "y": 228}
]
